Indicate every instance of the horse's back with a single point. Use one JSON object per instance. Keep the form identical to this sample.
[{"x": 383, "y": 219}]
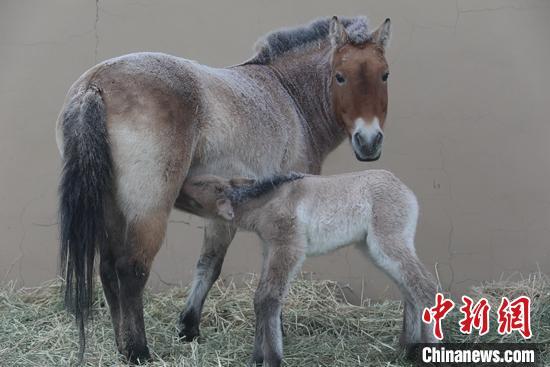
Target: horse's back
[
  {"x": 361, "y": 197},
  {"x": 150, "y": 103},
  {"x": 143, "y": 89}
]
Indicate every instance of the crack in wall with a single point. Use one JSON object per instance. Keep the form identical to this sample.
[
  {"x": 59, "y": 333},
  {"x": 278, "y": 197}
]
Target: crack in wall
[
  {"x": 450, "y": 218},
  {"x": 460, "y": 11},
  {"x": 96, "y": 33},
  {"x": 19, "y": 259}
]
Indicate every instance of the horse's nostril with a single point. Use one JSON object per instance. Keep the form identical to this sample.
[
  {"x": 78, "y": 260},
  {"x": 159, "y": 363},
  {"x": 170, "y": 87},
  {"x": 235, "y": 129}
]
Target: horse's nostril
[
  {"x": 378, "y": 138},
  {"x": 359, "y": 139}
]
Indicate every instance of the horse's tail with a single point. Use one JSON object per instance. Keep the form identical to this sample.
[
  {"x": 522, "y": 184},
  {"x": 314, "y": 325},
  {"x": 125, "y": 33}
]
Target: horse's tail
[{"x": 86, "y": 175}]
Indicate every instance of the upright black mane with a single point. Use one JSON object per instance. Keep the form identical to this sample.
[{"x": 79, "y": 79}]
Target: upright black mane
[
  {"x": 259, "y": 188},
  {"x": 276, "y": 43}
]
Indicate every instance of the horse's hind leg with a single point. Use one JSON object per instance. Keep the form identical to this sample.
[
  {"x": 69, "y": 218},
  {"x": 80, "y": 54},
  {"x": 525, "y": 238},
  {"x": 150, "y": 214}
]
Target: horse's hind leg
[
  {"x": 149, "y": 172},
  {"x": 217, "y": 237},
  {"x": 108, "y": 255},
  {"x": 144, "y": 237},
  {"x": 396, "y": 256}
]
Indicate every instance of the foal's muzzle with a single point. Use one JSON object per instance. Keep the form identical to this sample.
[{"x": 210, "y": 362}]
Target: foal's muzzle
[{"x": 367, "y": 148}]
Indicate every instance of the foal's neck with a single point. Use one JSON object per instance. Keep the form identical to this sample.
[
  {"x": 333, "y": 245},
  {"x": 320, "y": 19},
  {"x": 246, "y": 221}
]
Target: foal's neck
[
  {"x": 306, "y": 75},
  {"x": 248, "y": 212}
]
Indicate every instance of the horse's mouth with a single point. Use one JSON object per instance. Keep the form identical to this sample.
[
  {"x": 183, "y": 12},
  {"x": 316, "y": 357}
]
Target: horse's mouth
[{"x": 369, "y": 158}]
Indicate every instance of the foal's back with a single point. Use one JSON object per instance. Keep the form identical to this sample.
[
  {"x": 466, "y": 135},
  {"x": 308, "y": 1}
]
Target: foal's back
[{"x": 338, "y": 210}]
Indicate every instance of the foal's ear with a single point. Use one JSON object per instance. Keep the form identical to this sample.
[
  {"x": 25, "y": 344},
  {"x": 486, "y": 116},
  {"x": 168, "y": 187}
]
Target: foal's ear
[
  {"x": 382, "y": 34},
  {"x": 225, "y": 209},
  {"x": 337, "y": 33},
  {"x": 241, "y": 181}
]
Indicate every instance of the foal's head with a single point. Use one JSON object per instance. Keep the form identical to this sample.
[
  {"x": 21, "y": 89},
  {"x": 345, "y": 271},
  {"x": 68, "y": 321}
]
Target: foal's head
[
  {"x": 208, "y": 195},
  {"x": 359, "y": 86}
]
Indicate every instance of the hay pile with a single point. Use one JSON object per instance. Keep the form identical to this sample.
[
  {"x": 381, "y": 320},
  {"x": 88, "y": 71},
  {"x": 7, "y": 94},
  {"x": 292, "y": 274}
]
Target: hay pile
[{"x": 321, "y": 328}]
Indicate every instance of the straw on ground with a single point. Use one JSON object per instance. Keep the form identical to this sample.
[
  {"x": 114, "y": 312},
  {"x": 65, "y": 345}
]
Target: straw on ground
[{"x": 322, "y": 329}]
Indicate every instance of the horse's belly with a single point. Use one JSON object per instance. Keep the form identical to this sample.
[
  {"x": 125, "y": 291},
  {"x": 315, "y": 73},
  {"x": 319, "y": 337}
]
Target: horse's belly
[
  {"x": 320, "y": 245},
  {"x": 233, "y": 164}
]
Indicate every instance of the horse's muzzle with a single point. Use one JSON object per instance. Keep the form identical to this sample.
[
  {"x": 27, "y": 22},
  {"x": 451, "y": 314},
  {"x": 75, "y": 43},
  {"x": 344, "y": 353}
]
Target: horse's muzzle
[{"x": 367, "y": 150}]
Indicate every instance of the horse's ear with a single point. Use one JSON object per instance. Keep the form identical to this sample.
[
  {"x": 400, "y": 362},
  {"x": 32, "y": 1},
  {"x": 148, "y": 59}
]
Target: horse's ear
[
  {"x": 225, "y": 209},
  {"x": 241, "y": 181},
  {"x": 382, "y": 34},
  {"x": 337, "y": 33}
]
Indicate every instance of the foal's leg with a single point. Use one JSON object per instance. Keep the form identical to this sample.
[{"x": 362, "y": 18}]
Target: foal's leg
[
  {"x": 217, "y": 237},
  {"x": 396, "y": 256},
  {"x": 280, "y": 265}
]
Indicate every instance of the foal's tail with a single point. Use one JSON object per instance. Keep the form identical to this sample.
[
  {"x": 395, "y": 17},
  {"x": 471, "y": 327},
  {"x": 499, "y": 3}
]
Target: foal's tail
[{"x": 87, "y": 170}]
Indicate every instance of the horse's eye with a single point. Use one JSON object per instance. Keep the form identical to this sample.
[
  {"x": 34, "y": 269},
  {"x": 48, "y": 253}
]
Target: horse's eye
[
  {"x": 385, "y": 76},
  {"x": 340, "y": 78}
]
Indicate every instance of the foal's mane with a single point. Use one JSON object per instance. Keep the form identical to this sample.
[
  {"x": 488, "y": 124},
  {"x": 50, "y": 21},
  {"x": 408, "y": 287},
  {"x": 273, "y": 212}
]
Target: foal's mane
[
  {"x": 243, "y": 193},
  {"x": 279, "y": 42}
]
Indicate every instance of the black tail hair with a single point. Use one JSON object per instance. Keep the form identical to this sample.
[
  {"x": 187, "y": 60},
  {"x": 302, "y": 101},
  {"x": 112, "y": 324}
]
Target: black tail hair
[
  {"x": 86, "y": 175},
  {"x": 242, "y": 193}
]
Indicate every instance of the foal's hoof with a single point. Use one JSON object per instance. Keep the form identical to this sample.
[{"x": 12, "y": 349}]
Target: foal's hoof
[
  {"x": 188, "y": 326},
  {"x": 411, "y": 351},
  {"x": 257, "y": 360},
  {"x": 188, "y": 334}
]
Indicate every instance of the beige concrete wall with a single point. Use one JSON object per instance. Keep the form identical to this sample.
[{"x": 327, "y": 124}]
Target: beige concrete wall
[{"x": 468, "y": 125}]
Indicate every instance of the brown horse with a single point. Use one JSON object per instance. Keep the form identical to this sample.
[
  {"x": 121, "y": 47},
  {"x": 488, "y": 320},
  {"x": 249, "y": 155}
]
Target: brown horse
[{"x": 134, "y": 127}]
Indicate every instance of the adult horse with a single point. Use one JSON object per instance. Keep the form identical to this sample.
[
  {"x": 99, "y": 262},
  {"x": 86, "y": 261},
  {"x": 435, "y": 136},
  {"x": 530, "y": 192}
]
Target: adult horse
[{"x": 134, "y": 127}]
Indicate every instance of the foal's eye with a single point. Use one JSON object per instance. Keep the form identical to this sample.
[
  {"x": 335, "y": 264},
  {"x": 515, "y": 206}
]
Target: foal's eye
[
  {"x": 339, "y": 78},
  {"x": 385, "y": 76}
]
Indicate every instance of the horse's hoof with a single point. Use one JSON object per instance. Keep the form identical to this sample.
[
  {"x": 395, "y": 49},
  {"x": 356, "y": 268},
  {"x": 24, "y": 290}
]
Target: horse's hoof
[
  {"x": 188, "y": 326},
  {"x": 273, "y": 362},
  {"x": 138, "y": 355},
  {"x": 411, "y": 352},
  {"x": 256, "y": 361},
  {"x": 189, "y": 334}
]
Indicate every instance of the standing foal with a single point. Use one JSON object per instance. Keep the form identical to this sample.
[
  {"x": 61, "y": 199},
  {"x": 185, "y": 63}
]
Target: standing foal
[{"x": 298, "y": 216}]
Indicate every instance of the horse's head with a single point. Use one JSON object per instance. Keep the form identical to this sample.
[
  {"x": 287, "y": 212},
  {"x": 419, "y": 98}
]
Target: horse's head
[{"x": 359, "y": 87}]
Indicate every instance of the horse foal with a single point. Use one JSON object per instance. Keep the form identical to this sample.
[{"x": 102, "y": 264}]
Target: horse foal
[{"x": 302, "y": 215}]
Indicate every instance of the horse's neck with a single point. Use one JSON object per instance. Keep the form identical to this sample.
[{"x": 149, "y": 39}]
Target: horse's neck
[{"x": 306, "y": 76}]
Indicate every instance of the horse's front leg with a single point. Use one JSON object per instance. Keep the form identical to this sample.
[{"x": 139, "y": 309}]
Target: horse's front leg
[
  {"x": 217, "y": 237},
  {"x": 281, "y": 263}
]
